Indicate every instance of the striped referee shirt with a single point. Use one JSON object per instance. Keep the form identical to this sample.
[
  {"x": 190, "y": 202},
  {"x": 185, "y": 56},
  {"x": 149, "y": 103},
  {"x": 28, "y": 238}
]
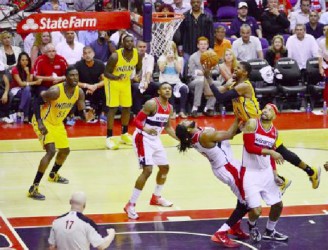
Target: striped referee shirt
[{"x": 74, "y": 231}]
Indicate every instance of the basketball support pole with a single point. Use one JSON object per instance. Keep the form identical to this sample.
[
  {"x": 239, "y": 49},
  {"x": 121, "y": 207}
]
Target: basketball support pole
[{"x": 147, "y": 21}]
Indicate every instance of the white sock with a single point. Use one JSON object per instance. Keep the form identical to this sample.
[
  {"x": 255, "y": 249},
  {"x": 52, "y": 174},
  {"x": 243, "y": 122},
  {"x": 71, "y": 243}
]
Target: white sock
[
  {"x": 194, "y": 108},
  {"x": 205, "y": 109},
  {"x": 224, "y": 227},
  {"x": 135, "y": 195},
  {"x": 158, "y": 190},
  {"x": 271, "y": 225}
]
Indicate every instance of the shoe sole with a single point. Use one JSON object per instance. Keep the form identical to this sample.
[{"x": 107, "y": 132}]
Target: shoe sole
[
  {"x": 34, "y": 198},
  {"x": 155, "y": 204},
  {"x": 215, "y": 240},
  {"x": 274, "y": 239},
  {"x": 58, "y": 182},
  {"x": 129, "y": 216},
  {"x": 319, "y": 175}
]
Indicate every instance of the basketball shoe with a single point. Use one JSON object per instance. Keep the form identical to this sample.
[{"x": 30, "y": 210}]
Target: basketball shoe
[
  {"x": 126, "y": 139},
  {"x": 130, "y": 211},
  {"x": 111, "y": 143},
  {"x": 159, "y": 201},
  {"x": 237, "y": 231},
  {"x": 285, "y": 185},
  {"x": 54, "y": 177},
  {"x": 33, "y": 193},
  {"x": 315, "y": 178},
  {"x": 274, "y": 235},
  {"x": 223, "y": 239}
]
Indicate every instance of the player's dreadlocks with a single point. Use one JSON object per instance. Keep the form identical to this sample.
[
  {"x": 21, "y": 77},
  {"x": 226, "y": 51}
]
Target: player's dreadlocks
[{"x": 184, "y": 137}]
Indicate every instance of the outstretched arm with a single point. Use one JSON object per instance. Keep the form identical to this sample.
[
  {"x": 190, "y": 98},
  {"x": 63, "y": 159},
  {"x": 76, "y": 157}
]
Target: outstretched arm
[{"x": 169, "y": 129}]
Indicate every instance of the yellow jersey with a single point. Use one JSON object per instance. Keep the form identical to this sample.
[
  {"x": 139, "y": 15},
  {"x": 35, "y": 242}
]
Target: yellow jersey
[
  {"x": 125, "y": 67},
  {"x": 56, "y": 111},
  {"x": 246, "y": 108}
]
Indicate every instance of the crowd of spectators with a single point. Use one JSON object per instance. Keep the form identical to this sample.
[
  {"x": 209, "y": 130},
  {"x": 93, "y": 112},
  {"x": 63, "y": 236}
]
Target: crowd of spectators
[{"x": 268, "y": 29}]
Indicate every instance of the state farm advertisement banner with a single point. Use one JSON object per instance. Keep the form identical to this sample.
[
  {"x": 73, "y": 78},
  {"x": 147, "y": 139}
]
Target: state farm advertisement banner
[{"x": 41, "y": 22}]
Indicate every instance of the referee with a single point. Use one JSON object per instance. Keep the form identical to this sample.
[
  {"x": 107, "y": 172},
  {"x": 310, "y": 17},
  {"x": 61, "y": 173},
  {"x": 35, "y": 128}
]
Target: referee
[{"x": 74, "y": 231}]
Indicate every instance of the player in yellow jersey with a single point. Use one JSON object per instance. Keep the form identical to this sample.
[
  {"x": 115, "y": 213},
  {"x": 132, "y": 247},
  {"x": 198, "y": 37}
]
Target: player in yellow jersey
[
  {"x": 50, "y": 109},
  {"x": 245, "y": 105},
  {"x": 118, "y": 70}
]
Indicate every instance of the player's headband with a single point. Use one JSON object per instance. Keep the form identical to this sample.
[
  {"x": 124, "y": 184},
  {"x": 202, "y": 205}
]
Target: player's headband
[{"x": 274, "y": 107}]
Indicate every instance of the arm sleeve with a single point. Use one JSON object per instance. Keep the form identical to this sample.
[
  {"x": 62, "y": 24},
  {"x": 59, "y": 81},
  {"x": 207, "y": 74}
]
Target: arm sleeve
[
  {"x": 249, "y": 143},
  {"x": 51, "y": 239},
  {"x": 223, "y": 97},
  {"x": 139, "y": 120}
]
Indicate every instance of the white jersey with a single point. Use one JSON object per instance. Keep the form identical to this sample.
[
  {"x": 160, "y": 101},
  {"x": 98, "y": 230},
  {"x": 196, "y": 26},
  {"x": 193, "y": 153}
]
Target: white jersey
[
  {"x": 216, "y": 155},
  {"x": 158, "y": 121},
  {"x": 264, "y": 139},
  {"x": 74, "y": 231}
]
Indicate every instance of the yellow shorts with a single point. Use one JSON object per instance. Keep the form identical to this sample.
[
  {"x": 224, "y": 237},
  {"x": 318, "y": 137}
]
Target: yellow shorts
[
  {"x": 118, "y": 93},
  {"x": 56, "y": 134}
]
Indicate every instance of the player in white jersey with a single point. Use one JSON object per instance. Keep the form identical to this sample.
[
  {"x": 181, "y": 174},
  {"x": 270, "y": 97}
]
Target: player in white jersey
[
  {"x": 150, "y": 122},
  {"x": 74, "y": 231},
  {"x": 260, "y": 179},
  {"x": 214, "y": 146}
]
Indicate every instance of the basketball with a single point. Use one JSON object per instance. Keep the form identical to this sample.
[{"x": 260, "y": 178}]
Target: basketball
[{"x": 209, "y": 59}]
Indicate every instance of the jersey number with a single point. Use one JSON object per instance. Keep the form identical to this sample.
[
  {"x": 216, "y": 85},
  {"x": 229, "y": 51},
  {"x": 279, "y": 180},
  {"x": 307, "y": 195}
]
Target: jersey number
[
  {"x": 69, "y": 224},
  {"x": 61, "y": 114}
]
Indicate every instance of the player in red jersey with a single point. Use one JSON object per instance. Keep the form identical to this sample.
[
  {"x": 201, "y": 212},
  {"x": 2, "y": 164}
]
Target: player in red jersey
[
  {"x": 259, "y": 179},
  {"x": 150, "y": 122}
]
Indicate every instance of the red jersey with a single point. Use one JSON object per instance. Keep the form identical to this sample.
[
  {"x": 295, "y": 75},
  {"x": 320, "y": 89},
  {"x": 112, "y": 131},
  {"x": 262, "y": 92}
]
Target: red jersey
[
  {"x": 14, "y": 71},
  {"x": 159, "y": 120},
  {"x": 264, "y": 139},
  {"x": 44, "y": 67}
]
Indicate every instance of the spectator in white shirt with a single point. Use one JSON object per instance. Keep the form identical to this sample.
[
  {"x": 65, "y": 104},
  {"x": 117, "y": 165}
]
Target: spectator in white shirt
[
  {"x": 70, "y": 49},
  {"x": 301, "y": 16},
  {"x": 195, "y": 71},
  {"x": 180, "y": 6},
  {"x": 247, "y": 47},
  {"x": 302, "y": 46},
  {"x": 74, "y": 230},
  {"x": 142, "y": 84},
  {"x": 324, "y": 18}
]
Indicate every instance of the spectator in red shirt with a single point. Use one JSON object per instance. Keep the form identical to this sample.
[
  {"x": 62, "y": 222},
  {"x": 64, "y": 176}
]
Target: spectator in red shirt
[
  {"x": 22, "y": 80},
  {"x": 50, "y": 67}
]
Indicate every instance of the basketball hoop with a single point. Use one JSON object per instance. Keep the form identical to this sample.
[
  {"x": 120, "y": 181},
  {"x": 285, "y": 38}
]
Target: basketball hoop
[{"x": 164, "y": 25}]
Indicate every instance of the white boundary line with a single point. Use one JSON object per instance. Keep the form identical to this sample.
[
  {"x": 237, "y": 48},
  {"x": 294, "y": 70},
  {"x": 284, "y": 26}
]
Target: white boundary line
[
  {"x": 179, "y": 232},
  {"x": 13, "y": 231}
]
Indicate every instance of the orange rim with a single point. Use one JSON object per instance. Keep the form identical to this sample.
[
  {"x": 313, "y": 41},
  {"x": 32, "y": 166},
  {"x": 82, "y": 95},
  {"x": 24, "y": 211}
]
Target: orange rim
[{"x": 164, "y": 17}]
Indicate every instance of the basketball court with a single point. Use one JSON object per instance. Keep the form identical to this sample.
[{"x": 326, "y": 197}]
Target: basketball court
[{"x": 201, "y": 202}]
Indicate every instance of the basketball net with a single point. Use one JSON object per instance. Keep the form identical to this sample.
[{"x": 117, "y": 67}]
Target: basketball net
[{"x": 163, "y": 29}]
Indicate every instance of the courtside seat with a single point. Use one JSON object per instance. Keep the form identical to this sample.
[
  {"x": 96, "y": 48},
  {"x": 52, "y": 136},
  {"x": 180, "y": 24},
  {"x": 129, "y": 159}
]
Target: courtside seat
[
  {"x": 288, "y": 79},
  {"x": 265, "y": 92},
  {"x": 314, "y": 80}
]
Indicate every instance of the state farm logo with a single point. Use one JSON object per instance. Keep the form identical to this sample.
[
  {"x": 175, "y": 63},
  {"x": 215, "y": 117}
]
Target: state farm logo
[
  {"x": 49, "y": 23},
  {"x": 30, "y": 25}
]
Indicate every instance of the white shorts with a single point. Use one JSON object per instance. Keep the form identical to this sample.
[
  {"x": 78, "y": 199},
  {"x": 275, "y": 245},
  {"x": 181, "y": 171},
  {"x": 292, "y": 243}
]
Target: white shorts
[
  {"x": 259, "y": 184},
  {"x": 149, "y": 151},
  {"x": 229, "y": 175}
]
